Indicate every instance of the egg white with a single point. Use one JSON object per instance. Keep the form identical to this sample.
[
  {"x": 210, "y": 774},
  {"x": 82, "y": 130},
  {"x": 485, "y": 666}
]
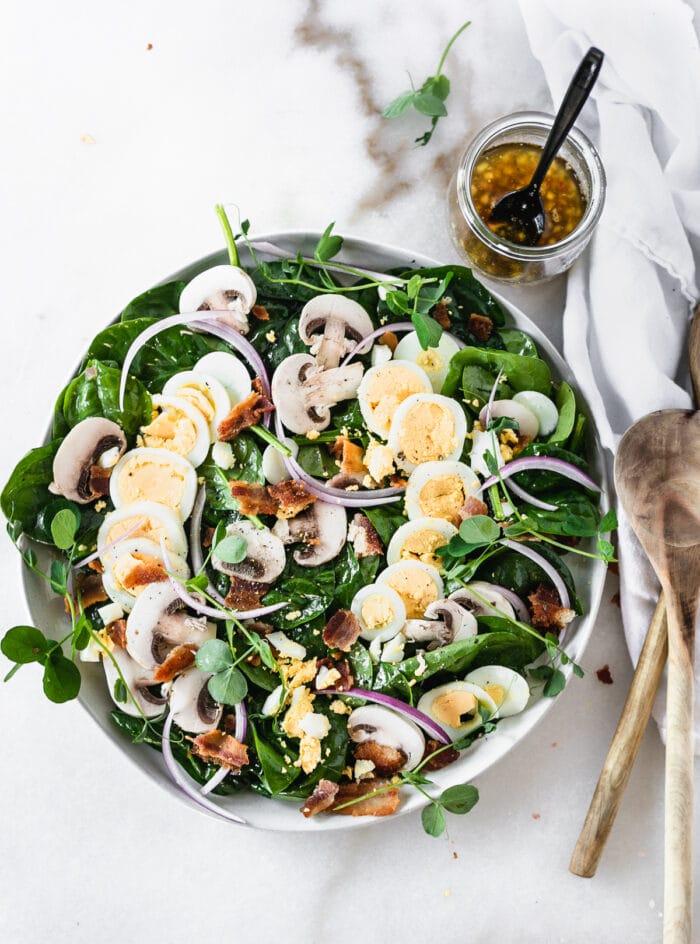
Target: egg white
[
  {"x": 426, "y": 702},
  {"x": 183, "y": 408},
  {"x": 162, "y": 459},
  {"x": 395, "y": 603},
  {"x": 156, "y": 521},
  {"x": 435, "y": 361},
  {"x": 544, "y": 409},
  {"x": 231, "y": 373},
  {"x": 515, "y": 690},
  {"x": 204, "y": 392},
  {"x": 437, "y": 525},
  {"x": 382, "y": 373},
  {"x": 435, "y": 470}
]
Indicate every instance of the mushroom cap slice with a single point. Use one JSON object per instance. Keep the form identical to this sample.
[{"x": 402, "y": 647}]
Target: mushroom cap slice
[
  {"x": 386, "y": 727},
  {"x": 323, "y": 523},
  {"x": 265, "y": 556},
  {"x": 495, "y": 601},
  {"x": 303, "y": 393},
  {"x": 459, "y": 622},
  {"x": 159, "y": 622},
  {"x": 192, "y": 707},
  {"x": 332, "y": 325},
  {"x": 225, "y": 289},
  {"x": 139, "y": 682},
  {"x": 94, "y": 441}
]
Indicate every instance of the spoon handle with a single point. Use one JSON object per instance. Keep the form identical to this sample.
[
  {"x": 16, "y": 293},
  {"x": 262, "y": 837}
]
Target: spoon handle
[
  {"x": 678, "y": 797},
  {"x": 623, "y": 749},
  {"x": 574, "y": 100}
]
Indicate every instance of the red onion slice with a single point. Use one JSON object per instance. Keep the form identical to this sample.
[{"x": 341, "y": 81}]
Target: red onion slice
[
  {"x": 361, "y": 346},
  {"x": 239, "y": 733},
  {"x": 196, "y": 541},
  {"x": 184, "y": 783},
  {"x": 521, "y": 611},
  {"x": 550, "y": 571},
  {"x": 108, "y": 546},
  {"x": 531, "y": 499},
  {"x": 492, "y": 397},
  {"x": 422, "y": 720},
  {"x": 542, "y": 464}
]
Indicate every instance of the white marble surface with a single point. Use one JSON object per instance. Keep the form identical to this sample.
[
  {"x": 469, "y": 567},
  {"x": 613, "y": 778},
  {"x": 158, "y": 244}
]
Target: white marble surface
[{"x": 113, "y": 155}]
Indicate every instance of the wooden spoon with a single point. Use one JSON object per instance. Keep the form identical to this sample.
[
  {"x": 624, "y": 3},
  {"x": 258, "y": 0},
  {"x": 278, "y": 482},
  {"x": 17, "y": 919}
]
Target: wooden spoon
[
  {"x": 657, "y": 476},
  {"x": 635, "y": 714}
]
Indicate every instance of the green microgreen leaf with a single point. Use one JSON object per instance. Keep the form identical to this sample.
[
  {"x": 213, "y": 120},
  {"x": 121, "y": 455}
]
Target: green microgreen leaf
[
  {"x": 429, "y": 105},
  {"x": 555, "y": 683},
  {"x": 479, "y": 530},
  {"x": 61, "y": 678},
  {"x": 459, "y": 799},
  {"x": 197, "y": 584},
  {"x": 214, "y": 656},
  {"x": 24, "y": 644},
  {"x": 64, "y": 526},
  {"x": 81, "y": 632},
  {"x": 433, "y": 819},
  {"x": 58, "y": 577},
  {"x": 428, "y": 330},
  {"x": 503, "y": 422},
  {"x": 120, "y": 692},
  {"x": 329, "y": 245},
  {"x": 491, "y": 463},
  {"x": 608, "y": 522},
  {"x": 399, "y": 105},
  {"x": 232, "y": 550},
  {"x": 228, "y": 687}
]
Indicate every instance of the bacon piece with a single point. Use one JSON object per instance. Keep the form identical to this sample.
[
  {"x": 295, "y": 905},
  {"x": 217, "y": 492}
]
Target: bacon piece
[
  {"x": 348, "y": 456},
  {"x": 116, "y": 630},
  {"x": 90, "y": 590},
  {"x": 386, "y": 760},
  {"x": 96, "y": 565},
  {"x": 179, "y": 659},
  {"x": 216, "y": 747},
  {"x": 448, "y": 756},
  {"x": 480, "y": 326},
  {"x": 143, "y": 574},
  {"x": 342, "y": 631},
  {"x": 342, "y": 667},
  {"x": 245, "y": 594},
  {"x": 247, "y": 413},
  {"x": 604, "y": 675},
  {"x": 546, "y": 609},
  {"x": 363, "y": 536},
  {"x": 441, "y": 313},
  {"x": 390, "y": 340},
  {"x": 384, "y": 804},
  {"x": 323, "y": 796},
  {"x": 99, "y": 480},
  {"x": 472, "y": 506},
  {"x": 260, "y": 312},
  {"x": 253, "y": 499},
  {"x": 208, "y": 537},
  {"x": 398, "y": 481},
  {"x": 291, "y": 496}
]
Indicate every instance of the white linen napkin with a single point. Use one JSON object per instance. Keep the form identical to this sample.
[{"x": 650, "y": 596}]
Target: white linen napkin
[{"x": 630, "y": 295}]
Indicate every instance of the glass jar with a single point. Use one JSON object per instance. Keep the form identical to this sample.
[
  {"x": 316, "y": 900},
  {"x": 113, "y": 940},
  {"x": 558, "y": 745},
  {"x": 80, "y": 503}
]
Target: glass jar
[{"x": 496, "y": 257}]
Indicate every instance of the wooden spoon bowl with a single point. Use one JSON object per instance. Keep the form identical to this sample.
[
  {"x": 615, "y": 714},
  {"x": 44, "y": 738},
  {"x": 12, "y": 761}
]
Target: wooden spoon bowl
[{"x": 657, "y": 476}]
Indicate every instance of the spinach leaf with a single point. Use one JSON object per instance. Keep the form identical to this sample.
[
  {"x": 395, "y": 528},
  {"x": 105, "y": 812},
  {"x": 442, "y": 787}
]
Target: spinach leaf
[
  {"x": 576, "y": 516},
  {"x": 391, "y": 680},
  {"x": 248, "y": 468},
  {"x": 522, "y": 373},
  {"x": 352, "y": 573},
  {"x": 248, "y": 456},
  {"x": 362, "y": 667},
  {"x": 284, "y": 291},
  {"x": 566, "y": 404},
  {"x": 543, "y": 481},
  {"x": 386, "y": 519},
  {"x": 27, "y": 490},
  {"x": 277, "y": 774},
  {"x": 317, "y": 461},
  {"x": 523, "y": 576},
  {"x": 308, "y": 596},
  {"x": 477, "y": 384},
  {"x": 466, "y": 296},
  {"x": 95, "y": 392},
  {"x": 517, "y": 342},
  {"x": 158, "y": 302},
  {"x": 89, "y": 520},
  {"x": 216, "y": 481}
]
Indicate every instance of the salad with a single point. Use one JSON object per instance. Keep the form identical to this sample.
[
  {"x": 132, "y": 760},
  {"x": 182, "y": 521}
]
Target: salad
[{"x": 311, "y": 523}]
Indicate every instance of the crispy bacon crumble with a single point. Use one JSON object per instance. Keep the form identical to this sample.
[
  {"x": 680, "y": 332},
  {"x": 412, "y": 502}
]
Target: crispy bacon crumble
[
  {"x": 248, "y": 412},
  {"x": 480, "y": 326},
  {"x": 546, "y": 609},
  {"x": 383, "y": 804},
  {"x": 321, "y": 799},
  {"x": 178, "y": 659},
  {"x": 216, "y": 747},
  {"x": 342, "y": 631},
  {"x": 364, "y": 537}
]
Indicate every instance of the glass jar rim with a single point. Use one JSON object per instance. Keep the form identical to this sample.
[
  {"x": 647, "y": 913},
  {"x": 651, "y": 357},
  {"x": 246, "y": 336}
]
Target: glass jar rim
[{"x": 539, "y": 121}]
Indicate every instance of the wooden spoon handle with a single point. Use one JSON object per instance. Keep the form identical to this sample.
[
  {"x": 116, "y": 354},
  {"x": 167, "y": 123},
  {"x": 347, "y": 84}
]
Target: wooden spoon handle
[
  {"x": 623, "y": 748},
  {"x": 678, "y": 799}
]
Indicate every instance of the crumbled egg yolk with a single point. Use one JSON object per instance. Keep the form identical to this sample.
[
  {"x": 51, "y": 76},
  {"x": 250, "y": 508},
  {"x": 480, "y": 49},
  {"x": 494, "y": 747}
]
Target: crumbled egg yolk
[
  {"x": 144, "y": 478},
  {"x": 430, "y": 360},
  {"x": 379, "y": 460},
  {"x": 417, "y": 590},
  {"x": 387, "y": 390},
  {"x": 296, "y": 672},
  {"x": 170, "y": 429},
  {"x": 422, "y": 545},
  {"x": 454, "y": 708},
  {"x": 376, "y": 611},
  {"x": 302, "y": 705},
  {"x": 144, "y": 527},
  {"x": 427, "y": 432},
  {"x": 442, "y": 497},
  {"x": 309, "y": 753}
]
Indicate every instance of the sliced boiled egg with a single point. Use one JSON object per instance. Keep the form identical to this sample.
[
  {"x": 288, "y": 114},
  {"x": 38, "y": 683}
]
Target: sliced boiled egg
[
  {"x": 508, "y": 689},
  {"x": 420, "y": 540},
  {"x": 148, "y": 519},
  {"x": 484, "y": 441},
  {"x": 273, "y": 467},
  {"x": 157, "y": 475},
  {"x": 544, "y": 409},
  {"x": 231, "y": 373},
  {"x": 384, "y": 388},
  {"x": 133, "y": 565},
  {"x": 380, "y": 610},
  {"x": 439, "y": 489},
  {"x": 204, "y": 392},
  {"x": 427, "y": 427},
  {"x": 417, "y": 584},
  {"x": 178, "y": 427},
  {"x": 459, "y": 707},
  {"x": 435, "y": 361}
]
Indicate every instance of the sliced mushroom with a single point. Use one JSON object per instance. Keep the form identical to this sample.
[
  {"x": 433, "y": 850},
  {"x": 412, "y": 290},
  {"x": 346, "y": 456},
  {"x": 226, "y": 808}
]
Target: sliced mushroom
[
  {"x": 192, "y": 707},
  {"x": 303, "y": 393},
  {"x": 332, "y": 325},
  {"x": 459, "y": 622},
  {"x": 159, "y": 622},
  {"x": 224, "y": 289},
  {"x": 265, "y": 556},
  {"x": 386, "y": 727},
  {"x": 85, "y": 459},
  {"x": 433, "y": 632},
  {"x": 322, "y": 528},
  {"x": 483, "y": 601},
  {"x": 143, "y": 695}
]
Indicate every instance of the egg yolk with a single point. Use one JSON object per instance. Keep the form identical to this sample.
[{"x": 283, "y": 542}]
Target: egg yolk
[
  {"x": 169, "y": 429},
  {"x": 422, "y": 545},
  {"x": 376, "y": 612},
  {"x": 416, "y": 588},
  {"x": 442, "y": 497},
  {"x": 387, "y": 390},
  {"x": 144, "y": 527},
  {"x": 427, "y": 433},
  {"x": 200, "y": 397},
  {"x": 430, "y": 360},
  {"x": 146, "y": 478},
  {"x": 497, "y": 692},
  {"x": 455, "y": 708}
]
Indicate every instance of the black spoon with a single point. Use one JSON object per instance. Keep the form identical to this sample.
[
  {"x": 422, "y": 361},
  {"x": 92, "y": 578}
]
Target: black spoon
[{"x": 521, "y": 212}]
